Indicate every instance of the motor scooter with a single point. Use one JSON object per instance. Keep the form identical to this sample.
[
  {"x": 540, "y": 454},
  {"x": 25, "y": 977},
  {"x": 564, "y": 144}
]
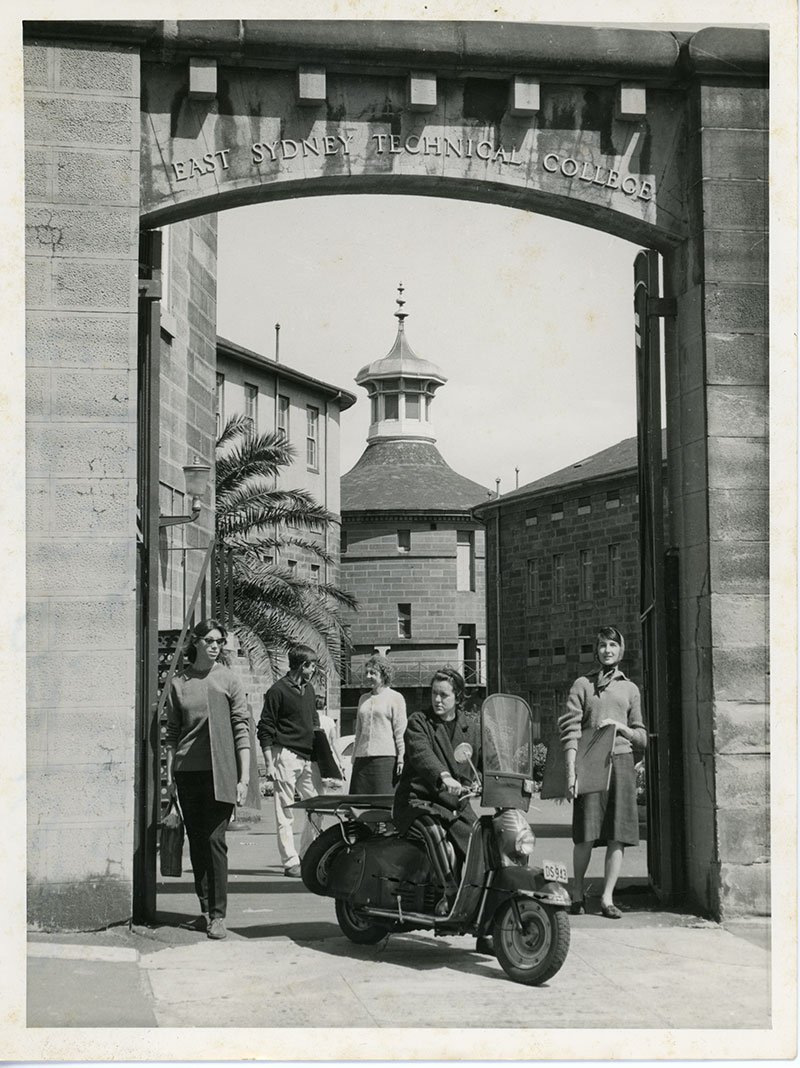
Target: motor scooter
[{"x": 383, "y": 882}]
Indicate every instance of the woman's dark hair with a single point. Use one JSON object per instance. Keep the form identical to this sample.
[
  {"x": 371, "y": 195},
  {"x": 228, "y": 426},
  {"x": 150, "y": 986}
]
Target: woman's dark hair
[
  {"x": 301, "y": 654},
  {"x": 383, "y": 666},
  {"x": 199, "y": 631},
  {"x": 610, "y": 634},
  {"x": 455, "y": 679}
]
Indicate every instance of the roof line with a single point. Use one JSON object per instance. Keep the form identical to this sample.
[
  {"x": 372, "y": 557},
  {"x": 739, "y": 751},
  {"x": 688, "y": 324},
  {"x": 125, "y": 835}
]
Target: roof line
[{"x": 230, "y": 348}]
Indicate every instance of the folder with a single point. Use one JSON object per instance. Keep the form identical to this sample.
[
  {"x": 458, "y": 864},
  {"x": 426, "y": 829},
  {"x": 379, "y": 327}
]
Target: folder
[{"x": 592, "y": 764}]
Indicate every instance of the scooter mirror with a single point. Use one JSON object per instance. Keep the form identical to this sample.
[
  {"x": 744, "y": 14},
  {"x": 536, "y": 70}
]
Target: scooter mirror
[{"x": 463, "y": 752}]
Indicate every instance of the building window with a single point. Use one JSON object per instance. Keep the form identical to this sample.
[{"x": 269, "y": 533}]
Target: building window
[
  {"x": 558, "y": 578},
  {"x": 586, "y": 574},
  {"x": 292, "y": 566},
  {"x": 251, "y": 406},
  {"x": 584, "y": 505},
  {"x": 557, "y": 510},
  {"x": 312, "y": 437},
  {"x": 404, "y": 621},
  {"x": 559, "y": 651},
  {"x": 343, "y": 541},
  {"x": 533, "y": 583},
  {"x": 391, "y": 408},
  {"x": 534, "y": 656},
  {"x": 614, "y": 584},
  {"x": 412, "y": 405},
  {"x": 612, "y": 499},
  {"x": 283, "y": 415},
  {"x": 531, "y": 519},
  {"x": 315, "y": 574},
  {"x": 587, "y": 653},
  {"x": 465, "y": 560},
  {"x": 404, "y": 541}
]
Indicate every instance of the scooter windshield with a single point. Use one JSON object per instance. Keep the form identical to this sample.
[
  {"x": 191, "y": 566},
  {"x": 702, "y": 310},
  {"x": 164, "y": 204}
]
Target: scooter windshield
[{"x": 507, "y": 751}]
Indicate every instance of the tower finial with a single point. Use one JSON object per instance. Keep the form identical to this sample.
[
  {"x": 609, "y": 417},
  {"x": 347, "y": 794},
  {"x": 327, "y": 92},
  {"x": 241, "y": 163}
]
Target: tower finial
[{"x": 400, "y": 315}]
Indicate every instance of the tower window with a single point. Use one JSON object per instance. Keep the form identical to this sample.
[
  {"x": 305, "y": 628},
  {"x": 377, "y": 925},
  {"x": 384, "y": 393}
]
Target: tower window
[
  {"x": 412, "y": 405},
  {"x": 465, "y": 560},
  {"x": 404, "y": 621},
  {"x": 404, "y": 541},
  {"x": 390, "y": 406}
]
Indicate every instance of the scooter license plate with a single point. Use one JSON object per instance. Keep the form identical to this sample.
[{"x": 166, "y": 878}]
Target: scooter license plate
[{"x": 554, "y": 872}]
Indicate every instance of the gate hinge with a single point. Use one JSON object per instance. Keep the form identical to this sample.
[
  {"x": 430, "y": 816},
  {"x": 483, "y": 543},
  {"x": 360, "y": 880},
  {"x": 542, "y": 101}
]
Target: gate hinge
[{"x": 662, "y": 306}]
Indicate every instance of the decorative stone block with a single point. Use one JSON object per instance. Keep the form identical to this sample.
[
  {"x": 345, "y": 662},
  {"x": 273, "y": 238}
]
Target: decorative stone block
[
  {"x": 62, "y": 566},
  {"x": 741, "y": 728},
  {"x": 102, "y": 623},
  {"x": 524, "y": 95},
  {"x": 101, "y": 70},
  {"x": 94, "y": 394},
  {"x": 82, "y": 450},
  {"x": 90, "y": 852},
  {"x": 202, "y": 78},
  {"x": 738, "y": 515},
  {"x": 744, "y": 890},
  {"x": 311, "y": 85},
  {"x": 80, "y": 340},
  {"x": 740, "y": 674},
  {"x": 736, "y": 462},
  {"x": 72, "y": 120},
  {"x": 738, "y": 411},
  {"x": 94, "y": 285},
  {"x": 59, "y": 231},
  {"x": 421, "y": 91},
  {"x": 631, "y": 101},
  {"x": 93, "y": 506}
]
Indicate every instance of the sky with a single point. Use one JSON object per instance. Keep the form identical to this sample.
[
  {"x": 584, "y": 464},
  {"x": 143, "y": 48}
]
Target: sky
[{"x": 529, "y": 318}]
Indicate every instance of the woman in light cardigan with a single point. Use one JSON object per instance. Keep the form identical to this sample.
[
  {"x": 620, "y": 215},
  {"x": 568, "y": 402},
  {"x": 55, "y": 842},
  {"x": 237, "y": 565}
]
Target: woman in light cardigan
[
  {"x": 380, "y": 725},
  {"x": 610, "y": 818}
]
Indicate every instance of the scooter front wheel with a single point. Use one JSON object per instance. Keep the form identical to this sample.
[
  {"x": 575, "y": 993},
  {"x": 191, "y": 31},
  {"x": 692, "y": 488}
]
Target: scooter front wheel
[
  {"x": 533, "y": 952},
  {"x": 357, "y": 926}
]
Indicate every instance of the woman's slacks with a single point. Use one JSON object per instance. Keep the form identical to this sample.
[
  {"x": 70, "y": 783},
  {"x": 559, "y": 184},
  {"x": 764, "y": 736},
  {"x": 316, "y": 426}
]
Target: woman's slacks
[{"x": 206, "y": 821}]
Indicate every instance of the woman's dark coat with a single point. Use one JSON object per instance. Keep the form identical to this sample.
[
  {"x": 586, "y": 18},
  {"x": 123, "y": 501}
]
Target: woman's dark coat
[{"x": 429, "y": 752}]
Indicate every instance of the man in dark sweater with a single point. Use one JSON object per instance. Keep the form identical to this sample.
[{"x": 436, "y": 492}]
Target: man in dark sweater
[{"x": 286, "y": 736}]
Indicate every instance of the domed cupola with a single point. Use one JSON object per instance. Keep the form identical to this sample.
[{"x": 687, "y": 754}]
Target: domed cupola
[{"x": 401, "y": 388}]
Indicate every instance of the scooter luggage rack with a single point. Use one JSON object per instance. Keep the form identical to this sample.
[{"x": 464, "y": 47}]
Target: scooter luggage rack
[{"x": 366, "y": 808}]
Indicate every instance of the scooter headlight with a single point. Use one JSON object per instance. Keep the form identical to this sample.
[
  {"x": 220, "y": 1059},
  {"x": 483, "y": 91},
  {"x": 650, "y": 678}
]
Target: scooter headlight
[
  {"x": 515, "y": 839},
  {"x": 525, "y": 843}
]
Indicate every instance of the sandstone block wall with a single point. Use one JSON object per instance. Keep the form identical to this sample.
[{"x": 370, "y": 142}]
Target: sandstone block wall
[{"x": 82, "y": 207}]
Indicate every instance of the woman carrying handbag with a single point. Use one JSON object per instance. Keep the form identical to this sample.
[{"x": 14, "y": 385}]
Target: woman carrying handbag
[{"x": 207, "y": 744}]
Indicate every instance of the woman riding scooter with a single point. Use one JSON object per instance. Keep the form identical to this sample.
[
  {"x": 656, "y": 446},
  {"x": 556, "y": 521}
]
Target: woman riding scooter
[{"x": 426, "y": 799}]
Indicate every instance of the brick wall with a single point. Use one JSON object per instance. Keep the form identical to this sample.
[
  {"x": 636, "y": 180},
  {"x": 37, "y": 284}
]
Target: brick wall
[{"x": 542, "y": 643}]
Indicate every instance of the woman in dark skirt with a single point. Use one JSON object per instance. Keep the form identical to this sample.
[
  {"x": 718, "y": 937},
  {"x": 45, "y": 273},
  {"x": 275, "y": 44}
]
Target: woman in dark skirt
[
  {"x": 610, "y": 818},
  {"x": 380, "y": 726}
]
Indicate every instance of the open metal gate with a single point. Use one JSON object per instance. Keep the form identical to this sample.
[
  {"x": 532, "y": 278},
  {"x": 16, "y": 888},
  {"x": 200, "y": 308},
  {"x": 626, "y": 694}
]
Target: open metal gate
[{"x": 658, "y": 600}]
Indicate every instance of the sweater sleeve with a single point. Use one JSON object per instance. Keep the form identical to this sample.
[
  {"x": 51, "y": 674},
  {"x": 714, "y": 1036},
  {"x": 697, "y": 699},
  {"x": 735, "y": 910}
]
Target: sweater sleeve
[
  {"x": 419, "y": 753},
  {"x": 267, "y": 722},
  {"x": 399, "y": 724},
  {"x": 240, "y": 719},
  {"x": 174, "y": 722},
  {"x": 635, "y": 721},
  {"x": 569, "y": 722}
]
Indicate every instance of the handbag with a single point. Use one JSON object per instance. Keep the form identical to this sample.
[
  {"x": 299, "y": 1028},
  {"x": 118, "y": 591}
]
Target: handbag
[{"x": 172, "y": 834}]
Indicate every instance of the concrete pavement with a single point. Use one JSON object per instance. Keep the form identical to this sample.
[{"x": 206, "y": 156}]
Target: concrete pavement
[{"x": 286, "y": 964}]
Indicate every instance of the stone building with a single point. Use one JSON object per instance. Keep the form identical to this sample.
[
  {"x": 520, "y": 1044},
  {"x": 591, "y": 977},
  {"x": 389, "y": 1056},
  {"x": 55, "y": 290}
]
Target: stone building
[
  {"x": 562, "y": 558},
  {"x": 412, "y": 552}
]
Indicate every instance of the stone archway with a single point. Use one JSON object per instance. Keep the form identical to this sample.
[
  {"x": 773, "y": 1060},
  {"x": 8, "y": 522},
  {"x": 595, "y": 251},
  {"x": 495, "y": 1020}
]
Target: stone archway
[{"x": 656, "y": 138}]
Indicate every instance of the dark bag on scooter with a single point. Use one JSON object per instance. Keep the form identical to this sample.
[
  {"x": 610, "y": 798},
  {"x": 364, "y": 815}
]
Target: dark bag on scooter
[{"x": 171, "y": 849}]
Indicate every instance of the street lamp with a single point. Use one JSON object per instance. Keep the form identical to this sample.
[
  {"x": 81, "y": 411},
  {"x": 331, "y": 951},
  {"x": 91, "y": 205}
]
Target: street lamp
[{"x": 196, "y": 476}]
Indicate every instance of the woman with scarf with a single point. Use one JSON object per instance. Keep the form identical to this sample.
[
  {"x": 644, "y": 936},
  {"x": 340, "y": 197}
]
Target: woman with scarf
[{"x": 609, "y": 818}]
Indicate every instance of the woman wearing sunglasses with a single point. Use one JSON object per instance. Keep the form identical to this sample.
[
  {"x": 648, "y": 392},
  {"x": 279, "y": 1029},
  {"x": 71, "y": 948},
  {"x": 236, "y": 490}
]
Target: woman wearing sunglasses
[{"x": 207, "y": 744}]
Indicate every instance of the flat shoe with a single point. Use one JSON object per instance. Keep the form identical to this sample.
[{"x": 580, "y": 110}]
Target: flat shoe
[
  {"x": 611, "y": 912},
  {"x": 199, "y": 923},
  {"x": 577, "y": 908}
]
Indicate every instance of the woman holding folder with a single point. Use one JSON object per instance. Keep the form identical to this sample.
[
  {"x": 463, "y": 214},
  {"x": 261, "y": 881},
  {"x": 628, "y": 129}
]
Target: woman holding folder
[{"x": 603, "y": 698}]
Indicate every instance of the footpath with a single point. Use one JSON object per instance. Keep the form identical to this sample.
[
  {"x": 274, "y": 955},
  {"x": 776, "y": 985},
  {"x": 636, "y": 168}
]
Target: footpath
[{"x": 285, "y": 963}]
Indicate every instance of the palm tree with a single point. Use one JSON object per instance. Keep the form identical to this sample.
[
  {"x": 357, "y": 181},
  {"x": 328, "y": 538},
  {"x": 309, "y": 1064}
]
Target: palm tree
[{"x": 273, "y": 607}]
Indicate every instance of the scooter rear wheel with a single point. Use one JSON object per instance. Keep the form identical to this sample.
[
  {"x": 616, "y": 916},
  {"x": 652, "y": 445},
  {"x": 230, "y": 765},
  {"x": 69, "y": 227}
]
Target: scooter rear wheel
[
  {"x": 317, "y": 859},
  {"x": 534, "y": 953},
  {"x": 357, "y": 926}
]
